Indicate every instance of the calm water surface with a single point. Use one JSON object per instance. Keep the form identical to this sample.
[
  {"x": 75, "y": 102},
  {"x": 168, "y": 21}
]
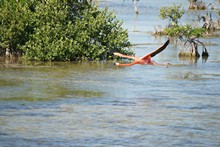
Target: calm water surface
[{"x": 98, "y": 104}]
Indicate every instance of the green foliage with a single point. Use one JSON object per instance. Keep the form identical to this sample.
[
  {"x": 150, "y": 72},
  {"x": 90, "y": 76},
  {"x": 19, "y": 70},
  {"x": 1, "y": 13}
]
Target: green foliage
[
  {"x": 49, "y": 41},
  {"x": 172, "y": 13},
  {"x": 51, "y": 30},
  {"x": 99, "y": 34},
  {"x": 14, "y": 25},
  {"x": 187, "y": 31}
]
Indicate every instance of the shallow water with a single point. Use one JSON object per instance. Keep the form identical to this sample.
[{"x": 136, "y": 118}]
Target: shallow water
[{"x": 98, "y": 104}]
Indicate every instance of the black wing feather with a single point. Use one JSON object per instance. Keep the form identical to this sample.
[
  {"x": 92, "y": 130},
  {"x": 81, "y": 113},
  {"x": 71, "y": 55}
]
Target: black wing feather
[{"x": 160, "y": 49}]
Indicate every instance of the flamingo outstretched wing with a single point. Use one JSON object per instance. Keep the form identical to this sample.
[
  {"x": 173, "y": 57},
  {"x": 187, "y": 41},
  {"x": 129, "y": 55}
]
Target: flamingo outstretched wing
[
  {"x": 157, "y": 51},
  {"x": 124, "y": 56}
]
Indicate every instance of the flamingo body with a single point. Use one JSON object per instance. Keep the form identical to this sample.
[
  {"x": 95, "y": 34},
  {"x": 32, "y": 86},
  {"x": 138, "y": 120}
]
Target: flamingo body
[{"x": 143, "y": 60}]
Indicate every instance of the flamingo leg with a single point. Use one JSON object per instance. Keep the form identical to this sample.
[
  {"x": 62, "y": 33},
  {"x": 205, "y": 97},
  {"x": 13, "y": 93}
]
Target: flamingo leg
[
  {"x": 160, "y": 64},
  {"x": 124, "y": 56},
  {"x": 125, "y": 64}
]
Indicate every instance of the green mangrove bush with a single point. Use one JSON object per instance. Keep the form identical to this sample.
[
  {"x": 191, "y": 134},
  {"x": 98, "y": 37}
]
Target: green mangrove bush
[
  {"x": 172, "y": 13},
  {"x": 14, "y": 25},
  {"x": 185, "y": 33},
  {"x": 50, "y": 30}
]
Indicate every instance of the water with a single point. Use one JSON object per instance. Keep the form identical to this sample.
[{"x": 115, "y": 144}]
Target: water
[{"x": 98, "y": 104}]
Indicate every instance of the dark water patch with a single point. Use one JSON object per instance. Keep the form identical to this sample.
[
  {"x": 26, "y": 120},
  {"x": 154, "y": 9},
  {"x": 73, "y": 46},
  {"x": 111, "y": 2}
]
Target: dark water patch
[
  {"x": 3, "y": 134},
  {"x": 199, "y": 107},
  {"x": 27, "y": 114},
  {"x": 211, "y": 74},
  {"x": 194, "y": 76},
  {"x": 9, "y": 83},
  {"x": 122, "y": 103},
  {"x": 60, "y": 94},
  {"x": 33, "y": 114},
  {"x": 85, "y": 93},
  {"x": 25, "y": 99},
  {"x": 87, "y": 141},
  {"x": 185, "y": 128}
]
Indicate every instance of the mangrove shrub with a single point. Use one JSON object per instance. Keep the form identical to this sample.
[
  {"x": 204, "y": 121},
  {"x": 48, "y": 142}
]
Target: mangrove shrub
[
  {"x": 51, "y": 30},
  {"x": 172, "y": 13},
  {"x": 186, "y": 33}
]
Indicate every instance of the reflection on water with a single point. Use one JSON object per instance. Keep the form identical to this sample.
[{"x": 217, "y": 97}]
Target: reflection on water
[{"x": 98, "y": 104}]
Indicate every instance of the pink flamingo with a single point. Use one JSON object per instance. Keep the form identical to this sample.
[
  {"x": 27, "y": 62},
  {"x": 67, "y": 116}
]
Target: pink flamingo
[{"x": 145, "y": 59}]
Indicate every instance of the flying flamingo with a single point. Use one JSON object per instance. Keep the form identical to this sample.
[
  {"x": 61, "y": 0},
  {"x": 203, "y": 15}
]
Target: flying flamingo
[{"x": 145, "y": 59}]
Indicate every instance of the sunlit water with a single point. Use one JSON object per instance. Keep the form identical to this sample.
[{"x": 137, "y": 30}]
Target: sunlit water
[{"x": 98, "y": 104}]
